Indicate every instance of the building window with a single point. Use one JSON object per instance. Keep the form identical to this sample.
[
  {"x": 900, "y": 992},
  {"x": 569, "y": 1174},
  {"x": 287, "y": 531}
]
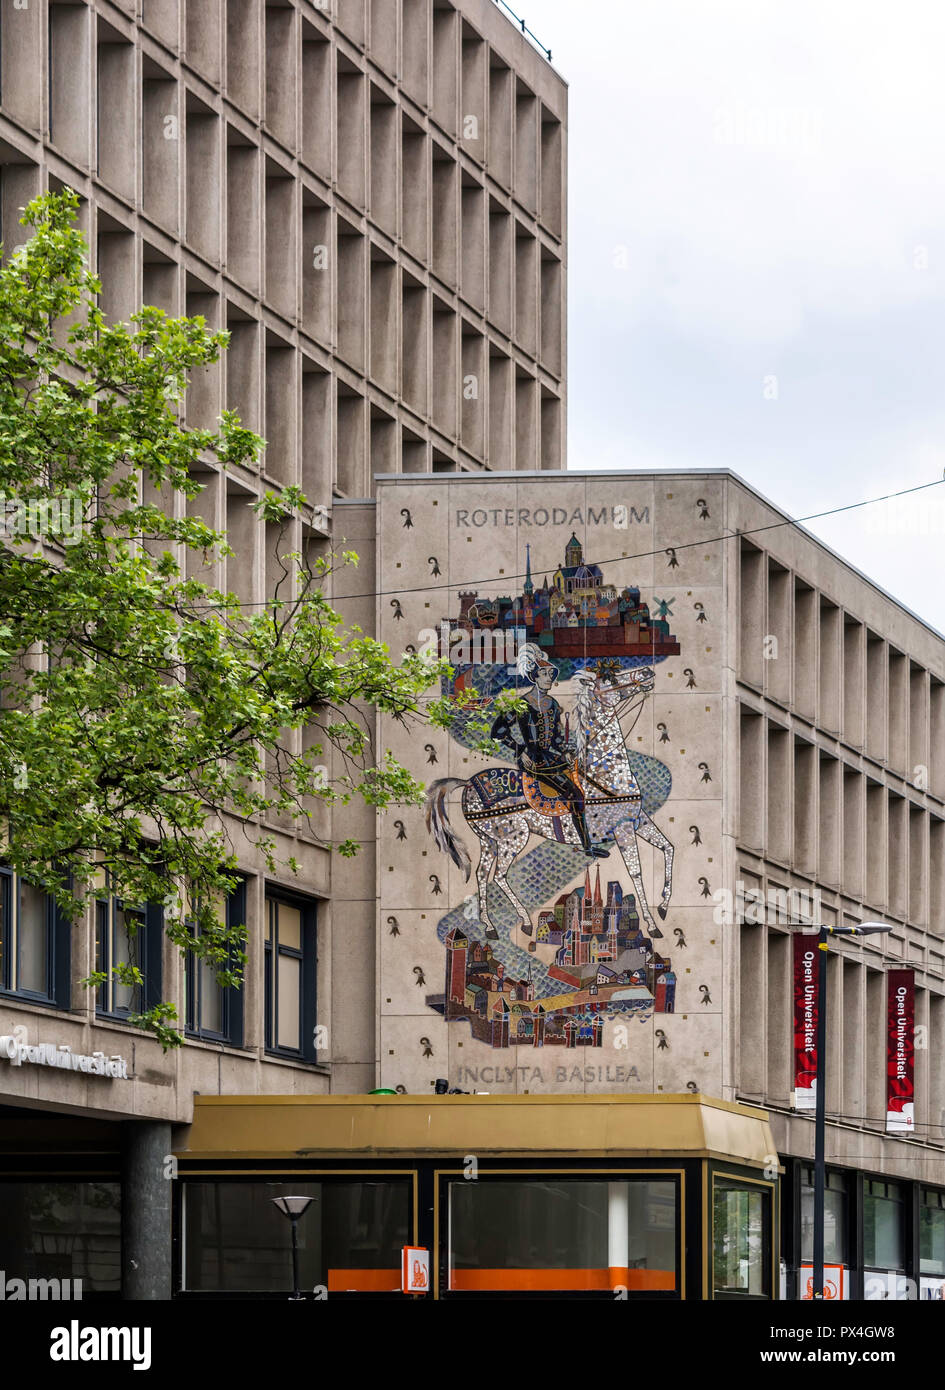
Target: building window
[
  {"x": 882, "y": 1225},
  {"x": 350, "y": 1237},
  {"x": 741, "y": 1239},
  {"x": 932, "y": 1232},
  {"x": 62, "y": 1231},
  {"x": 214, "y": 1011},
  {"x": 290, "y": 976},
  {"x": 128, "y": 935},
  {"x": 835, "y": 1218},
  {"x": 34, "y": 943},
  {"x": 572, "y": 1235}
]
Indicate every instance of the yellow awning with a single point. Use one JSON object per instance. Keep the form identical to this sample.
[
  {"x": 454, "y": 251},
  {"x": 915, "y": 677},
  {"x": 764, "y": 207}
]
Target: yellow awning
[{"x": 409, "y": 1127}]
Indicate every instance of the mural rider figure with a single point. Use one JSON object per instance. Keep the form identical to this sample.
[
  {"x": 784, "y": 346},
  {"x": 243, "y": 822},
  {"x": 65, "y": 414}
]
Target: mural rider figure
[{"x": 538, "y": 735}]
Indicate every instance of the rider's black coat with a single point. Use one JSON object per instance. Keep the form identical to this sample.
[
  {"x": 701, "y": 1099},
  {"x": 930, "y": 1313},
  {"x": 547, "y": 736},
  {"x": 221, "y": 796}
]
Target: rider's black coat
[{"x": 539, "y": 736}]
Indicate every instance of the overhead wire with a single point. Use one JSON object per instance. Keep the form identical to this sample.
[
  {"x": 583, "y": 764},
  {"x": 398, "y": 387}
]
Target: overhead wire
[{"x": 609, "y": 560}]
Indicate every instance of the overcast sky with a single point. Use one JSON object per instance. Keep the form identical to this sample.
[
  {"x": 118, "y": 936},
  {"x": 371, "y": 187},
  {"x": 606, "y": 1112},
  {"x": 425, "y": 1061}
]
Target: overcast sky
[{"x": 757, "y": 255}]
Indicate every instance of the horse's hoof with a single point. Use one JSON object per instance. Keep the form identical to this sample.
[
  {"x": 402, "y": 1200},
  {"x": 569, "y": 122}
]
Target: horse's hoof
[
  {"x": 662, "y": 912},
  {"x": 526, "y": 928},
  {"x": 491, "y": 934},
  {"x": 655, "y": 931}
]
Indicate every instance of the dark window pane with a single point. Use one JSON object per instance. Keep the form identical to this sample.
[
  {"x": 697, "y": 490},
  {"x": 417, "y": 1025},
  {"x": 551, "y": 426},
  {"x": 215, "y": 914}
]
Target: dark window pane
[
  {"x": 5, "y": 932},
  {"x": 932, "y": 1239},
  {"x": 101, "y": 950},
  {"x": 835, "y": 1228},
  {"x": 350, "y": 1237},
  {"x": 882, "y": 1231},
  {"x": 62, "y": 1230}
]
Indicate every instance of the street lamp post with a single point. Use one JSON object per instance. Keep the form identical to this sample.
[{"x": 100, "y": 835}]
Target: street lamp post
[
  {"x": 293, "y": 1208},
  {"x": 820, "y": 1136}
]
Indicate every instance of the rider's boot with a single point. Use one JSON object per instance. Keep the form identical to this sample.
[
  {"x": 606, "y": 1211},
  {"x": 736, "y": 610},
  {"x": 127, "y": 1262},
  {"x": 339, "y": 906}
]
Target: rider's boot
[{"x": 587, "y": 845}]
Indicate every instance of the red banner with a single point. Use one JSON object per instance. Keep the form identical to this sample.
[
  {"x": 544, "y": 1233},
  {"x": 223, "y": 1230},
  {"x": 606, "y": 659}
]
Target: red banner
[
  {"x": 806, "y": 994},
  {"x": 900, "y": 1052}
]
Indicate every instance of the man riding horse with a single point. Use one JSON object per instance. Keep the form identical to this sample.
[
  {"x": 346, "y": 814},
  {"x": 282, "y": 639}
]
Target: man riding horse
[{"x": 542, "y": 747}]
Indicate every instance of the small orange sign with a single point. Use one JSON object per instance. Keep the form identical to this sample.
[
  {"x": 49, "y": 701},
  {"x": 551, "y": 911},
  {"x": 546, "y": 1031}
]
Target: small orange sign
[
  {"x": 416, "y": 1269},
  {"x": 834, "y": 1282}
]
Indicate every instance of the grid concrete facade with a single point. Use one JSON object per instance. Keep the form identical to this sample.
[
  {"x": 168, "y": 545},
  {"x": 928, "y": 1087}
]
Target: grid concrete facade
[
  {"x": 802, "y": 722},
  {"x": 838, "y": 718},
  {"x": 370, "y": 196}
]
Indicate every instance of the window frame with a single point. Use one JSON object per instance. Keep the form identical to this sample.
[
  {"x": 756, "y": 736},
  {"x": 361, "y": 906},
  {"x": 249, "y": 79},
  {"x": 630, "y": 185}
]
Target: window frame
[
  {"x": 675, "y": 1175},
  {"x": 768, "y": 1193},
  {"x": 83, "y": 1250},
  {"x": 327, "y": 1179},
  {"x": 58, "y": 931},
  {"x": 902, "y": 1203},
  {"x": 150, "y": 935},
  {"x": 307, "y": 955},
  {"x": 926, "y": 1203},
  {"x": 835, "y": 1181},
  {"x": 232, "y": 1032}
]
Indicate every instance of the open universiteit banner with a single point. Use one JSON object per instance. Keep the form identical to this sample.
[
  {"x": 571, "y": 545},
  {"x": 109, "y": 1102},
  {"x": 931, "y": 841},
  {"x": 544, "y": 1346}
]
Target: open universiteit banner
[
  {"x": 806, "y": 987},
  {"x": 900, "y": 1052}
]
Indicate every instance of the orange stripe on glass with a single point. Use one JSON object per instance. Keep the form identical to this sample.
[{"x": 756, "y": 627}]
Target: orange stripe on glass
[
  {"x": 571, "y": 1280},
  {"x": 363, "y": 1280}
]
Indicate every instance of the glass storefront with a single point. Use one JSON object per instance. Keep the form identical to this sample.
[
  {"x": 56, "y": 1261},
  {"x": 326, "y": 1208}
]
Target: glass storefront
[
  {"x": 62, "y": 1231},
  {"x": 576, "y": 1197},
  {"x": 235, "y": 1240},
  {"x": 883, "y": 1239},
  {"x": 564, "y": 1234}
]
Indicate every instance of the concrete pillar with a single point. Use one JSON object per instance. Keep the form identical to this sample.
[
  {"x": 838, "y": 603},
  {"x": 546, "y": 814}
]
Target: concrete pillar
[
  {"x": 618, "y": 1232},
  {"x": 146, "y": 1212}
]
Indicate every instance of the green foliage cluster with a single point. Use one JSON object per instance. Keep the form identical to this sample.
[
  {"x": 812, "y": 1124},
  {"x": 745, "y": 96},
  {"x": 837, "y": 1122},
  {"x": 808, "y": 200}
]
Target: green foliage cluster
[{"x": 144, "y": 712}]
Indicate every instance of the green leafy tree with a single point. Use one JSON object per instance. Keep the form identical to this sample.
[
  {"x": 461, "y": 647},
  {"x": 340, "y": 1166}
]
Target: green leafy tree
[{"x": 144, "y": 712}]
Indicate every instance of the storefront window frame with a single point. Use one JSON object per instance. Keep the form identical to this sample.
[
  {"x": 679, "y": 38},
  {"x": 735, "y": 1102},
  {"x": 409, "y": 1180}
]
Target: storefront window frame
[
  {"x": 281, "y": 1176},
  {"x": 831, "y": 1173},
  {"x": 925, "y": 1192},
  {"x": 45, "y": 1179},
  {"x": 769, "y": 1252},
  {"x": 905, "y": 1205},
  {"x": 441, "y": 1254}
]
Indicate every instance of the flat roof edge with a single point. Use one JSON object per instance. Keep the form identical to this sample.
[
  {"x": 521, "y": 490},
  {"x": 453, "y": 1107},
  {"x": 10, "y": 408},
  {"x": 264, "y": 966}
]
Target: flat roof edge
[{"x": 570, "y": 474}]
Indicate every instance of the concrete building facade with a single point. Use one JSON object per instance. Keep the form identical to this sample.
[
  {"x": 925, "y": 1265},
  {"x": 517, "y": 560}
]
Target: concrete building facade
[
  {"x": 787, "y": 758},
  {"x": 369, "y": 195}
]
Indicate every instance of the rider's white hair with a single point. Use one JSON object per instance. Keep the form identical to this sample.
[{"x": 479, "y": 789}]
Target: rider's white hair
[{"x": 530, "y": 657}]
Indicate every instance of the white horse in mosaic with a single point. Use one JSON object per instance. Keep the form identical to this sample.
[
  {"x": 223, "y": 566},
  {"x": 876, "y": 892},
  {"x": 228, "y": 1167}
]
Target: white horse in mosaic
[{"x": 612, "y": 796}]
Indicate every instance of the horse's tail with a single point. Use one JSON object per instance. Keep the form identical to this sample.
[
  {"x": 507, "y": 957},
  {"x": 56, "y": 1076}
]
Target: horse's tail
[{"x": 436, "y": 814}]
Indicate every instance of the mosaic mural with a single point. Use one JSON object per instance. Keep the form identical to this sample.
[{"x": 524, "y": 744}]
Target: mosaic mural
[
  {"x": 591, "y": 953},
  {"x": 550, "y": 923}
]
